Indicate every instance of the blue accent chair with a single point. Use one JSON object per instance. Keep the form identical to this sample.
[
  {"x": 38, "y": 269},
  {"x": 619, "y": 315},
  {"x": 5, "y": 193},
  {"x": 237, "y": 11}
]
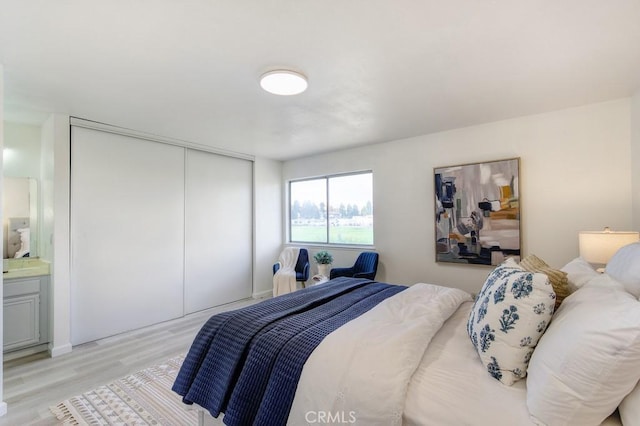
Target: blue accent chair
[
  {"x": 302, "y": 267},
  {"x": 366, "y": 266}
]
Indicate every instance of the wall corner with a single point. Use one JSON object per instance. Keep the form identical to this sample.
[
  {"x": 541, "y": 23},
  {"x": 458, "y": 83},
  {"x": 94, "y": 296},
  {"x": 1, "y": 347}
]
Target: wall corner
[{"x": 635, "y": 161}]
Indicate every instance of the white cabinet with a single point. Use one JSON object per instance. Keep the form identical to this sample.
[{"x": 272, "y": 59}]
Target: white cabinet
[{"x": 25, "y": 312}]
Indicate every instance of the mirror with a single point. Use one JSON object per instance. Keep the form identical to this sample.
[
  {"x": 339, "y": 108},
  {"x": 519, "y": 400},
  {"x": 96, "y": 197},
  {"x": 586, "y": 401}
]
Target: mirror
[{"x": 20, "y": 206}]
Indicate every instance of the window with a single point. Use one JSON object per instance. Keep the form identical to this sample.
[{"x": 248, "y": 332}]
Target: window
[{"x": 332, "y": 209}]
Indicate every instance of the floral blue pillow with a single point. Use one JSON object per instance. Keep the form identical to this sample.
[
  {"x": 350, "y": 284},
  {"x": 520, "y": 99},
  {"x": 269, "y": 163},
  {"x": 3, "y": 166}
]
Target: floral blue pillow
[{"x": 509, "y": 315}]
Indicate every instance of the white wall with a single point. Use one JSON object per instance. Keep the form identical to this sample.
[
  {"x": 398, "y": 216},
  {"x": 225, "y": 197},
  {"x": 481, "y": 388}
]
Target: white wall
[
  {"x": 575, "y": 175},
  {"x": 268, "y": 223},
  {"x": 635, "y": 160},
  {"x": 55, "y": 196},
  {"x": 3, "y": 405},
  {"x": 46, "y": 189}
]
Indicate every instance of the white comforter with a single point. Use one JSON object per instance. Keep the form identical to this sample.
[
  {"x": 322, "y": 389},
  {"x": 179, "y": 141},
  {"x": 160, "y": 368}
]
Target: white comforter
[{"x": 360, "y": 373}]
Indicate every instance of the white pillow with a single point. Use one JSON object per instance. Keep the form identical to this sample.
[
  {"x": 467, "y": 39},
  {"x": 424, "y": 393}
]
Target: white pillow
[
  {"x": 624, "y": 266},
  {"x": 579, "y": 272},
  {"x": 630, "y": 408},
  {"x": 509, "y": 315},
  {"x": 589, "y": 357}
]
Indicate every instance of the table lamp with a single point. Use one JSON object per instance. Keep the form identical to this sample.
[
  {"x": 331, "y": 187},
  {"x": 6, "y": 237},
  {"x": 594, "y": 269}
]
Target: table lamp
[{"x": 597, "y": 247}]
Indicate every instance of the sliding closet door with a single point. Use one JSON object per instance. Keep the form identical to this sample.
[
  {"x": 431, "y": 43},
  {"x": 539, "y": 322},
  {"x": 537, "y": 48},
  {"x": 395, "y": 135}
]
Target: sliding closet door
[
  {"x": 218, "y": 230},
  {"x": 127, "y": 233}
]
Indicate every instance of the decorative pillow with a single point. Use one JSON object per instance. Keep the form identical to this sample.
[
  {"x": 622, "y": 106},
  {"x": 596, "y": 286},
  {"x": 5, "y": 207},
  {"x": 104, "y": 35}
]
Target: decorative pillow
[
  {"x": 579, "y": 272},
  {"x": 508, "y": 317},
  {"x": 558, "y": 278},
  {"x": 588, "y": 359},
  {"x": 624, "y": 266},
  {"x": 630, "y": 408}
]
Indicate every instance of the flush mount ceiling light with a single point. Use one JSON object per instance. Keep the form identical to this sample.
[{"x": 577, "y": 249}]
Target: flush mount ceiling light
[{"x": 283, "y": 82}]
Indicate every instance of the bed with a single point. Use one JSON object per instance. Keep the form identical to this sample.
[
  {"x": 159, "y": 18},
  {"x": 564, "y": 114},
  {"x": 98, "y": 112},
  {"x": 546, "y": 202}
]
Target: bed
[{"x": 412, "y": 357}]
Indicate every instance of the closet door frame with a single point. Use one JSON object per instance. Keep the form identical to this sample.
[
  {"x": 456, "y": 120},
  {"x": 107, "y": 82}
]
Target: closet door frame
[{"x": 185, "y": 146}]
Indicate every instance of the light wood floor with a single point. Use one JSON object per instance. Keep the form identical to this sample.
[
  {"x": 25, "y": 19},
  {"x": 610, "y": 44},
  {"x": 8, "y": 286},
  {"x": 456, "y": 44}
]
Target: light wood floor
[{"x": 34, "y": 383}]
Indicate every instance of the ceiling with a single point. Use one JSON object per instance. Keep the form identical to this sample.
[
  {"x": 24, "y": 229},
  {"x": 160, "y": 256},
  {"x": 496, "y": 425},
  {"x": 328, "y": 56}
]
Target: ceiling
[{"x": 377, "y": 70}]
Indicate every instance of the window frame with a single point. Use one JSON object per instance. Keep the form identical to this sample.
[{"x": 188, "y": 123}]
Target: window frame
[{"x": 327, "y": 207}]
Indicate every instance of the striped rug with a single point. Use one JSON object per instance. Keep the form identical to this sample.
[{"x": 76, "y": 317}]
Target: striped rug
[{"x": 142, "y": 398}]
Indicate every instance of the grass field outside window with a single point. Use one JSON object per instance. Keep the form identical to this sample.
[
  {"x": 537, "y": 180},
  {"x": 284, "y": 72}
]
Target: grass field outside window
[{"x": 332, "y": 210}]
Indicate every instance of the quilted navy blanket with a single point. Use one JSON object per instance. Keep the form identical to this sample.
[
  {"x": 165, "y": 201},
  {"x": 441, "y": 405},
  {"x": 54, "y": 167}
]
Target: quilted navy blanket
[{"x": 246, "y": 363}]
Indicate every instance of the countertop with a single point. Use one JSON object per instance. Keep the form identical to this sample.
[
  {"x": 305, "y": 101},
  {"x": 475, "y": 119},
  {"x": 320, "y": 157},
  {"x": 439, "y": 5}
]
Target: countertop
[{"x": 21, "y": 268}]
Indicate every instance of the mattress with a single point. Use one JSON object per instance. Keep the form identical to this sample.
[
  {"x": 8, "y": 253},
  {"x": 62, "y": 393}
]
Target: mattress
[{"x": 451, "y": 386}]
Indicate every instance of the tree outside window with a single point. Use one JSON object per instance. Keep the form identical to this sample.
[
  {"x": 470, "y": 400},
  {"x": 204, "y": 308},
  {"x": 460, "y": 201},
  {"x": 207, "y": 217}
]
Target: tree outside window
[{"x": 332, "y": 209}]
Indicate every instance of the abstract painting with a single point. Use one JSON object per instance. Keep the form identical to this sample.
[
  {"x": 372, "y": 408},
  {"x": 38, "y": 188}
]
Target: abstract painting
[{"x": 477, "y": 212}]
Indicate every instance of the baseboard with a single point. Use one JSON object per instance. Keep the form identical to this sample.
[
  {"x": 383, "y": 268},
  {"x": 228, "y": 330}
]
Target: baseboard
[
  {"x": 3, "y": 408},
  {"x": 60, "y": 350},
  {"x": 262, "y": 294}
]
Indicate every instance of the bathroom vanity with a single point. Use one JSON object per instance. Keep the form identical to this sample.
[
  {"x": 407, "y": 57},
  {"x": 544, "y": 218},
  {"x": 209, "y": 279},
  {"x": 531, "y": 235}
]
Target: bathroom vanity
[{"x": 26, "y": 304}]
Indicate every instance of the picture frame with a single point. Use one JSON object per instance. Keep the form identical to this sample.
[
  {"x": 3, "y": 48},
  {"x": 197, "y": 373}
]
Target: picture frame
[{"x": 477, "y": 212}]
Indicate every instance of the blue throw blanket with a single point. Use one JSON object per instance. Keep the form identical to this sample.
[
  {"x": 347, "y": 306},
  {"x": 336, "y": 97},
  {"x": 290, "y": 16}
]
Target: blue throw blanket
[{"x": 246, "y": 363}]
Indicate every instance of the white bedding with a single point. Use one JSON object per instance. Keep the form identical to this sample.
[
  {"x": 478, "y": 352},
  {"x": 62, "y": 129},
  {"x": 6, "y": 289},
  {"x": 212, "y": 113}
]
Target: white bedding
[
  {"x": 451, "y": 387},
  {"x": 407, "y": 361},
  {"x": 361, "y": 371}
]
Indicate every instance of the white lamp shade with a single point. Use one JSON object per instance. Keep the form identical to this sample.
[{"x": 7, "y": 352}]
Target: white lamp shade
[{"x": 599, "y": 246}]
